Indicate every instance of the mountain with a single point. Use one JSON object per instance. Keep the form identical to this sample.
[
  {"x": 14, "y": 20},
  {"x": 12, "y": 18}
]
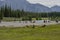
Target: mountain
[
  {"x": 37, "y": 8},
  {"x": 26, "y": 6},
  {"x": 1, "y": 3},
  {"x": 23, "y": 4},
  {"x": 55, "y": 8}
]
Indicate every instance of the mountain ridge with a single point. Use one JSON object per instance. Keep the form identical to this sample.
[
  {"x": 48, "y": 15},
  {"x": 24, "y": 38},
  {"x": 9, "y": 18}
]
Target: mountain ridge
[{"x": 26, "y": 6}]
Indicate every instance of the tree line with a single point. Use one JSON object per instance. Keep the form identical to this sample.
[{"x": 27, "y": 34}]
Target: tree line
[{"x": 7, "y": 11}]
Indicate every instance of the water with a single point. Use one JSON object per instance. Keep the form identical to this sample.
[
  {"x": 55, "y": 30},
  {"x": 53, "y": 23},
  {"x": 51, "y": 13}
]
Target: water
[{"x": 24, "y": 23}]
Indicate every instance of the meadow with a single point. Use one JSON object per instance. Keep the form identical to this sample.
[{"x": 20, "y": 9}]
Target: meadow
[
  {"x": 50, "y": 32},
  {"x": 20, "y": 19}
]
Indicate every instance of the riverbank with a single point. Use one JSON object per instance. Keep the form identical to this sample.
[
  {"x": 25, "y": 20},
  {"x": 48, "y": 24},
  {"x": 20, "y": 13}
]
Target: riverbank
[{"x": 24, "y": 23}]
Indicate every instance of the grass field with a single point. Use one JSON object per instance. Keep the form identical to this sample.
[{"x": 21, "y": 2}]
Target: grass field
[
  {"x": 17, "y": 19},
  {"x": 20, "y": 19},
  {"x": 51, "y": 32}
]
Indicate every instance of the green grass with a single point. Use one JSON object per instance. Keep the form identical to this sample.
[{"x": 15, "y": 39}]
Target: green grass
[
  {"x": 51, "y": 32},
  {"x": 17, "y": 19},
  {"x": 10, "y": 19}
]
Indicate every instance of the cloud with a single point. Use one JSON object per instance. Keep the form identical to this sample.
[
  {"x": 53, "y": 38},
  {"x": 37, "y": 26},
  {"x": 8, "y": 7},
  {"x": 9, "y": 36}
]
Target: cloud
[{"x": 48, "y": 3}]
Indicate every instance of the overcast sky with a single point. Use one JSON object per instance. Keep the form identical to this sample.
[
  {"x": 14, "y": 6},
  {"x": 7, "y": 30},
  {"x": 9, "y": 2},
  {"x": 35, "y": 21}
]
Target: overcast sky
[{"x": 48, "y": 3}]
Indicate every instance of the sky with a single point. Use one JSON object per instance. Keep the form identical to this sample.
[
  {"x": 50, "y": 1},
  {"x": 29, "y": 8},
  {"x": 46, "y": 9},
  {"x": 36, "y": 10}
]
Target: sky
[{"x": 48, "y": 3}]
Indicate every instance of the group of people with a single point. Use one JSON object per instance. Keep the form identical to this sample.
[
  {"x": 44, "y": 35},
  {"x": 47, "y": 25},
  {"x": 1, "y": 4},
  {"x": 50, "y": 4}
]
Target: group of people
[{"x": 45, "y": 21}]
